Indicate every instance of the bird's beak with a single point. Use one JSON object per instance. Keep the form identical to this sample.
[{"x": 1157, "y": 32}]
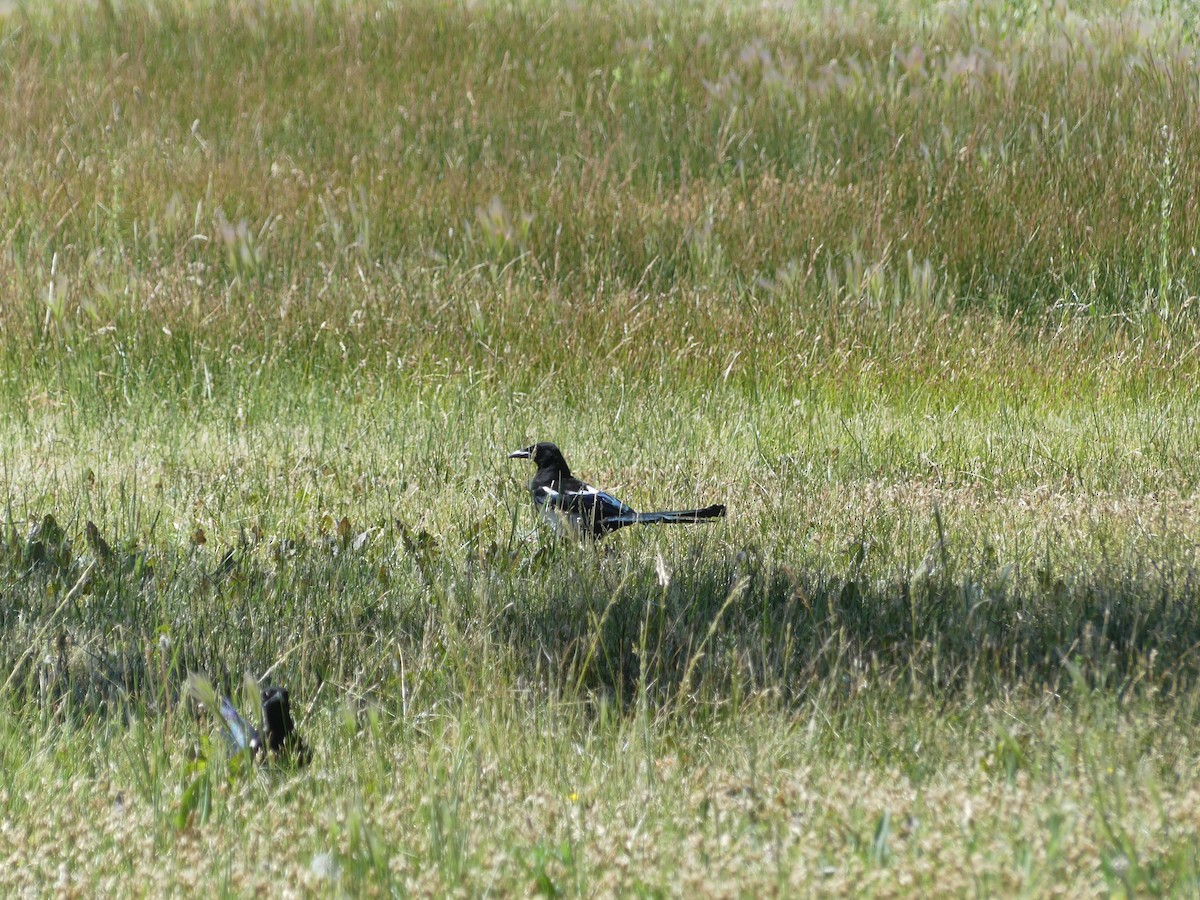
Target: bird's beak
[{"x": 519, "y": 454}]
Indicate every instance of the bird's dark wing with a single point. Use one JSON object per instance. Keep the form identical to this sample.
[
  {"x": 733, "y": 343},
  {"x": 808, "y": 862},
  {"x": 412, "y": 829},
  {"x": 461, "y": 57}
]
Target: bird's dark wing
[
  {"x": 582, "y": 506},
  {"x": 242, "y": 735},
  {"x": 585, "y": 500}
]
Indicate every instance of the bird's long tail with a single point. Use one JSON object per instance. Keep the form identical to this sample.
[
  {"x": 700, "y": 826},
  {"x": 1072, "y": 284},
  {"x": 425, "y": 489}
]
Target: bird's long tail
[{"x": 675, "y": 517}]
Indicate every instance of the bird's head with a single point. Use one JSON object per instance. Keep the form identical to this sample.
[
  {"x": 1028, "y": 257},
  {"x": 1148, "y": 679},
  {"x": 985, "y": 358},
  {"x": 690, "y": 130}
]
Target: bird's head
[
  {"x": 543, "y": 455},
  {"x": 282, "y": 741},
  {"x": 277, "y": 715}
]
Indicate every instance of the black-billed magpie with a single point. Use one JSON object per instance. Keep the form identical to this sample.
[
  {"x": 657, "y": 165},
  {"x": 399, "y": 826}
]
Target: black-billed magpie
[
  {"x": 278, "y": 737},
  {"x": 569, "y": 504},
  {"x": 277, "y": 740}
]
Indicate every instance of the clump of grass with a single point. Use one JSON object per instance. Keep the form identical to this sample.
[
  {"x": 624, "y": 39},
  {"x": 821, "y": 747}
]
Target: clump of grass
[{"x": 884, "y": 163}]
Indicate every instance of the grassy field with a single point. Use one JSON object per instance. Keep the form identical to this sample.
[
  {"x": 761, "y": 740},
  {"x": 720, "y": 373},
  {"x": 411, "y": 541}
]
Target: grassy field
[{"x": 910, "y": 287}]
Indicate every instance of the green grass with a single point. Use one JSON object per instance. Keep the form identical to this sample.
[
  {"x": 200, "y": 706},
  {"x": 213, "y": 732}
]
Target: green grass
[{"x": 909, "y": 288}]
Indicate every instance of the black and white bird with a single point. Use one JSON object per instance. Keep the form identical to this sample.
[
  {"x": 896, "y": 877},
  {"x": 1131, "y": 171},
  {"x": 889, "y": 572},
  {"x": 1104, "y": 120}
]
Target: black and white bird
[
  {"x": 278, "y": 737},
  {"x": 277, "y": 740},
  {"x": 573, "y": 506}
]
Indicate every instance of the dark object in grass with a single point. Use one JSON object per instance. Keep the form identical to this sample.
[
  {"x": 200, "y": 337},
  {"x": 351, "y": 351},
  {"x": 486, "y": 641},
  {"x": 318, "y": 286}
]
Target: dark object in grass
[
  {"x": 570, "y": 505},
  {"x": 47, "y": 547},
  {"x": 276, "y": 741},
  {"x": 98, "y": 544}
]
